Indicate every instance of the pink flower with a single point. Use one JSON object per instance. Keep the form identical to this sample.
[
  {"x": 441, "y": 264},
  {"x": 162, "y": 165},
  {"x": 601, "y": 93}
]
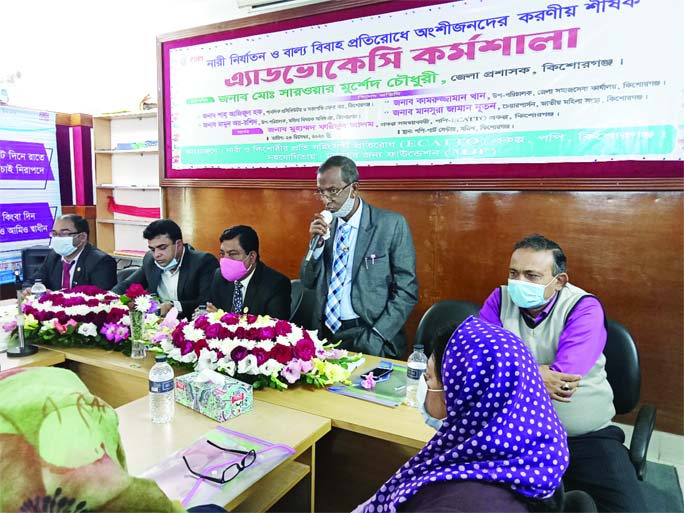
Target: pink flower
[
  {"x": 230, "y": 319},
  {"x": 212, "y": 330},
  {"x": 268, "y": 333},
  {"x": 305, "y": 349},
  {"x": 10, "y": 326},
  {"x": 292, "y": 372},
  {"x": 305, "y": 366},
  {"x": 369, "y": 382},
  {"x": 114, "y": 332},
  {"x": 60, "y": 329},
  {"x": 201, "y": 323},
  {"x": 88, "y": 290}
]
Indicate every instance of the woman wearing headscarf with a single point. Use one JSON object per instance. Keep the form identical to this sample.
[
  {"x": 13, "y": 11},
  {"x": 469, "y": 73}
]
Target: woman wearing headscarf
[{"x": 499, "y": 445}]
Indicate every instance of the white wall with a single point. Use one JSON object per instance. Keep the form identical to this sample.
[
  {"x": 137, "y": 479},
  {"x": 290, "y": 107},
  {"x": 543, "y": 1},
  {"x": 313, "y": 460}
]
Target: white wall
[{"x": 92, "y": 56}]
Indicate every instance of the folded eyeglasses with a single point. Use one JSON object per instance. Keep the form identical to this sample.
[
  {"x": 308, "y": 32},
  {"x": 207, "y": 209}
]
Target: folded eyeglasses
[{"x": 231, "y": 471}]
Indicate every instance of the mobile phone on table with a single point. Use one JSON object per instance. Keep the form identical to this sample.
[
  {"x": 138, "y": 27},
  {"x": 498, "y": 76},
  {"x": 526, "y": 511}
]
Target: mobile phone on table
[{"x": 379, "y": 373}]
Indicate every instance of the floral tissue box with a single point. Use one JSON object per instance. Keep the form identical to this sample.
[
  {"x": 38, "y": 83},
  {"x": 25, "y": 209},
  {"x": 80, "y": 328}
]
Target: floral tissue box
[{"x": 214, "y": 395}]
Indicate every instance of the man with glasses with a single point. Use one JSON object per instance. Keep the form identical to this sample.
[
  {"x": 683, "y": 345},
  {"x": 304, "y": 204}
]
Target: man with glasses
[
  {"x": 73, "y": 260},
  {"x": 178, "y": 273},
  {"x": 363, "y": 266}
]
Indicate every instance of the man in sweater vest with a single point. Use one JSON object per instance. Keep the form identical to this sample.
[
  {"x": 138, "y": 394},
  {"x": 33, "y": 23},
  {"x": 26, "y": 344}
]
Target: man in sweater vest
[{"x": 564, "y": 328}]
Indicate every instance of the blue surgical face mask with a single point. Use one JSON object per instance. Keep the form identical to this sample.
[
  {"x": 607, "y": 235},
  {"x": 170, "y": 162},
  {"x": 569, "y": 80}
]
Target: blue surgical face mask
[
  {"x": 346, "y": 207},
  {"x": 421, "y": 394},
  {"x": 526, "y": 294},
  {"x": 63, "y": 246},
  {"x": 171, "y": 265}
]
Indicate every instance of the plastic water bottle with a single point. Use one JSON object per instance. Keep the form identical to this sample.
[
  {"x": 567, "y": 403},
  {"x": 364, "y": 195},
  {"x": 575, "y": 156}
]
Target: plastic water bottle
[
  {"x": 417, "y": 363},
  {"x": 38, "y": 289},
  {"x": 162, "y": 386}
]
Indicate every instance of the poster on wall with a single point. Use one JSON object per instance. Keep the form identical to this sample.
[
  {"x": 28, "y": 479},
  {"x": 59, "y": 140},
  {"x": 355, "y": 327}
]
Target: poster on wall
[
  {"x": 448, "y": 83},
  {"x": 29, "y": 183}
]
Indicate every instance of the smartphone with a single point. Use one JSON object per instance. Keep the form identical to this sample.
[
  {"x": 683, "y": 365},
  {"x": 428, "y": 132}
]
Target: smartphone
[{"x": 378, "y": 373}]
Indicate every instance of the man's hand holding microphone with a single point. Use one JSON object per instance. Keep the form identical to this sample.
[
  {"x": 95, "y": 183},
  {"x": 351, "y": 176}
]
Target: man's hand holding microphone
[{"x": 318, "y": 229}]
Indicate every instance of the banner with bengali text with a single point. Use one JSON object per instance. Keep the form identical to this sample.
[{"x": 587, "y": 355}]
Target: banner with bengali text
[
  {"x": 450, "y": 83},
  {"x": 29, "y": 183}
]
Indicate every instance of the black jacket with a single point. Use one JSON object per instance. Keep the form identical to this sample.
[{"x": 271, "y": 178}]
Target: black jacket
[
  {"x": 194, "y": 279},
  {"x": 268, "y": 293},
  {"x": 94, "y": 267}
]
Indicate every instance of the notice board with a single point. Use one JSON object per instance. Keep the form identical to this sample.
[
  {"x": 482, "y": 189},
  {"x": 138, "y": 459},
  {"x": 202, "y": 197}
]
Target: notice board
[{"x": 428, "y": 89}]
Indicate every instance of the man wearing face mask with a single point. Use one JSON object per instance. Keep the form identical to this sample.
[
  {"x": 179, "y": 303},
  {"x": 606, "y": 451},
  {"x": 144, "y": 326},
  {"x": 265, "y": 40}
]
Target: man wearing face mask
[
  {"x": 243, "y": 283},
  {"x": 564, "y": 327},
  {"x": 175, "y": 271},
  {"x": 365, "y": 272},
  {"x": 73, "y": 260}
]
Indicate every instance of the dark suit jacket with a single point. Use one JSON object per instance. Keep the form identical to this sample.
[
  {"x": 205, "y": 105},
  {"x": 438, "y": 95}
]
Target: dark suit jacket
[
  {"x": 94, "y": 267},
  {"x": 194, "y": 279},
  {"x": 384, "y": 287},
  {"x": 268, "y": 293}
]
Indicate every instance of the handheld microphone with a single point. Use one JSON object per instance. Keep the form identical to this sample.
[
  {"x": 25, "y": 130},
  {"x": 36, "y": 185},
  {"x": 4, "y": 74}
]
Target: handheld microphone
[{"x": 327, "y": 217}]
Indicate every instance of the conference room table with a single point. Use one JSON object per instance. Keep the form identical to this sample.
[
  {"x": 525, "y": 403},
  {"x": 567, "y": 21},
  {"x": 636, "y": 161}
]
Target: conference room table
[{"x": 362, "y": 447}]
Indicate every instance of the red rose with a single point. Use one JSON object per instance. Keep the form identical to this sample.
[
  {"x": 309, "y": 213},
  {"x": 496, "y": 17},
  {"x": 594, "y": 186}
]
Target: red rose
[
  {"x": 135, "y": 290},
  {"x": 281, "y": 353},
  {"x": 305, "y": 349},
  {"x": 199, "y": 345},
  {"x": 202, "y": 322},
  {"x": 230, "y": 318},
  {"x": 212, "y": 330},
  {"x": 283, "y": 328},
  {"x": 261, "y": 355},
  {"x": 267, "y": 333},
  {"x": 238, "y": 354}
]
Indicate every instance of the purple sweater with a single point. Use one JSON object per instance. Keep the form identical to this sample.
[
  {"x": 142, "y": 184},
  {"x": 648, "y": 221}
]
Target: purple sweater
[{"x": 582, "y": 340}]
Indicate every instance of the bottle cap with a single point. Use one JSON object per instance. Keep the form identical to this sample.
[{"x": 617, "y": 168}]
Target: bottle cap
[
  {"x": 419, "y": 347},
  {"x": 160, "y": 358}
]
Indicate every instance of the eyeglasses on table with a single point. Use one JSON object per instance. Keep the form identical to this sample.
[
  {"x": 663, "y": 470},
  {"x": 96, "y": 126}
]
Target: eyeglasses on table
[{"x": 232, "y": 470}]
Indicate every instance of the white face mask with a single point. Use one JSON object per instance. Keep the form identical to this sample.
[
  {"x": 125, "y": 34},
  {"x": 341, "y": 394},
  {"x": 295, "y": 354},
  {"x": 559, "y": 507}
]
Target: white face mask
[
  {"x": 171, "y": 265},
  {"x": 347, "y": 206},
  {"x": 421, "y": 394},
  {"x": 63, "y": 246}
]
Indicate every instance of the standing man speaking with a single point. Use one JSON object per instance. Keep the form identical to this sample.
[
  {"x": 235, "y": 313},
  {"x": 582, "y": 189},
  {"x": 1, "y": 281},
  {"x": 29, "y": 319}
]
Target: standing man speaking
[{"x": 362, "y": 263}]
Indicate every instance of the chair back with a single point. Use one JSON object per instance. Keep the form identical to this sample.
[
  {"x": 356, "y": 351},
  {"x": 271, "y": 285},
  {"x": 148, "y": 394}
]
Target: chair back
[
  {"x": 304, "y": 315},
  {"x": 124, "y": 274},
  {"x": 296, "y": 294},
  {"x": 32, "y": 259},
  {"x": 439, "y": 315},
  {"x": 622, "y": 367}
]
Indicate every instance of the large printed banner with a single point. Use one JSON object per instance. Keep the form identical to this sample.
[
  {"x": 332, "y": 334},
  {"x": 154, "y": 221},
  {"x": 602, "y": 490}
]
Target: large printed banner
[
  {"x": 462, "y": 82},
  {"x": 29, "y": 186}
]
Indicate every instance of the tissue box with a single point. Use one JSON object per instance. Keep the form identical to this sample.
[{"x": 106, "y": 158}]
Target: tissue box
[{"x": 218, "y": 401}]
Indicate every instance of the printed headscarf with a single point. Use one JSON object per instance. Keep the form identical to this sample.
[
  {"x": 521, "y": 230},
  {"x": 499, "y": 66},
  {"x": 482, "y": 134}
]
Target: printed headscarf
[
  {"x": 500, "y": 427},
  {"x": 60, "y": 450}
]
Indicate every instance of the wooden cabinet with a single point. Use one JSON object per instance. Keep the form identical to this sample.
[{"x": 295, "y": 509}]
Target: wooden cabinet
[{"x": 127, "y": 180}]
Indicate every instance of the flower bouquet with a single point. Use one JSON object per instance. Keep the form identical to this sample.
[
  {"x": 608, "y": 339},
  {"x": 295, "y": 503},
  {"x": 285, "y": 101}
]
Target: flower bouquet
[
  {"x": 83, "y": 316},
  {"x": 260, "y": 350}
]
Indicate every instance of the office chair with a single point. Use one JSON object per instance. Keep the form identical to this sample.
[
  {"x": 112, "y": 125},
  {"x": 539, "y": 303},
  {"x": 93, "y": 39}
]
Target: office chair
[
  {"x": 31, "y": 260},
  {"x": 624, "y": 376},
  {"x": 304, "y": 315},
  {"x": 124, "y": 274},
  {"x": 296, "y": 295},
  {"x": 439, "y": 315}
]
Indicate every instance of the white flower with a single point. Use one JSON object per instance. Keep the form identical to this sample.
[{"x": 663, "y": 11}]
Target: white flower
[
  {"x": 143, "y": 304},
  {"x": 226, "y": 366},
  {"x": 175, "y": 354},
  {"x": 167, "y": 346},
  {"x": 87, "y": 329},
  {"x": 188, "y": 358},
  {"x": 248, "y": 365},
  {"x": 207, "y": 360},
  {"x": 266, "y": 345},
  {"x": 152, "y": 319},
  {"x": 48, "y": 325},
  {"x": 271, "y": 367},
  {"x": 192, "y": 334}
]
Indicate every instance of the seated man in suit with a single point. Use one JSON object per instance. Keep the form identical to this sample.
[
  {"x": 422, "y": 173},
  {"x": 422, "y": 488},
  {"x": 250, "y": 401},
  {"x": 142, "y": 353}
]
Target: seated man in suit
[
  {"x": 173, "y": 270},
  {"x": 365, "y": 273},
  {"x": 243, "y": 283},
  {"x": 73, "y": 260},
  {"x": 564, "y": 328}
]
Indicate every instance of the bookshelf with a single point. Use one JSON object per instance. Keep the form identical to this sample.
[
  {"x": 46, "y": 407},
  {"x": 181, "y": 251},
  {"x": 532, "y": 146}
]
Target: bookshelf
[{"x": 126, "y": 170}]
